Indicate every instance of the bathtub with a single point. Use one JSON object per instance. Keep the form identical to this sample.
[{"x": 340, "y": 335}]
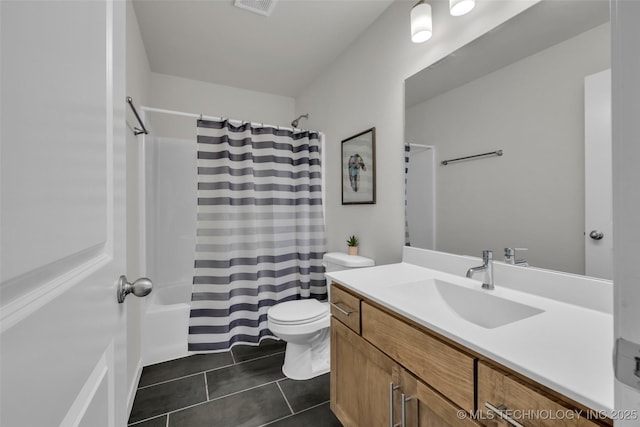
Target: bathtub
[{"x": 166, "y": 323}]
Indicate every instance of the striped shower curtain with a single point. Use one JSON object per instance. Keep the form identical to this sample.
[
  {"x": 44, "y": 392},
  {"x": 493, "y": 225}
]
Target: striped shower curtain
[
  {"x": 260, "y": 230},
  {"x": 407, "y": 157}
]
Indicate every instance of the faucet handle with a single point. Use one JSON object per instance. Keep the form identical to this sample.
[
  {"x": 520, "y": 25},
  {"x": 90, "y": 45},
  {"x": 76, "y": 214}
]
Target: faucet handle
[
  {"x": 510, "y": 254},
  {"x": 512, "y": 251},
  {"x": 487, "y": 256}
]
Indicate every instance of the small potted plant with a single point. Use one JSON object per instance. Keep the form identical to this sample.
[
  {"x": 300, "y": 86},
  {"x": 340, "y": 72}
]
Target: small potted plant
[{"x": 352, "y": 243}]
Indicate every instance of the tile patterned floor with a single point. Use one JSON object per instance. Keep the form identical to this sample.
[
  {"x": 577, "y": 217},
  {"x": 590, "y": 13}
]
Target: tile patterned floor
[{"x": 244, "y": 387}]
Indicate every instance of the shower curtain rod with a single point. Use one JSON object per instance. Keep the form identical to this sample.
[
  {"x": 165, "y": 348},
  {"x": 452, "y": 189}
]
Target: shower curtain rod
[{"x": 201, "y": 116}]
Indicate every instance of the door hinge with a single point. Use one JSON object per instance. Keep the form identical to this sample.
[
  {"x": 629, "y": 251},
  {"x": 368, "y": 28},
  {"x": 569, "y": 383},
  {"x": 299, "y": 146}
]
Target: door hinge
[{"x": 627, "y": 362}]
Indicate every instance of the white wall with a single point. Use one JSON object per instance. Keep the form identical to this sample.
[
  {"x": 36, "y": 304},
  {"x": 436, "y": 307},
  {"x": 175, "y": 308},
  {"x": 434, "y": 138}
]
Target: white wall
[
  {"x": 138, "y": 76},
  {"x": 364, "y": 88},
  {"x": 192, "y": 96},
  {"x": 196, "y": 97},
  {"x": 532, "y": 196}
]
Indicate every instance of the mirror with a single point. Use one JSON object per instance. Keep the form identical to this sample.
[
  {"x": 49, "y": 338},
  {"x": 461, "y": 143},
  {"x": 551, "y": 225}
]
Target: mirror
[{"x": 519, "y": 89}]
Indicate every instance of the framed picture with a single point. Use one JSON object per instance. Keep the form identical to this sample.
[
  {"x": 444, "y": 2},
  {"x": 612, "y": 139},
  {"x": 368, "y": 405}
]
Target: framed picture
[{"x": 359, "y": 168}]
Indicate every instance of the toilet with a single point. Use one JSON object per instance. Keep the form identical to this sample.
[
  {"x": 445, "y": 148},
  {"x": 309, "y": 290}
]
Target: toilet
[{"x": 304, "y": 325}]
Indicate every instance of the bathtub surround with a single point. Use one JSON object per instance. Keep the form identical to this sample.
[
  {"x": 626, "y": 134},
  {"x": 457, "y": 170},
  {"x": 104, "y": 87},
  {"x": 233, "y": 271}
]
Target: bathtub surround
[
  {"x": 260, "y": 233},
  {"x": 164, "y": 330}
]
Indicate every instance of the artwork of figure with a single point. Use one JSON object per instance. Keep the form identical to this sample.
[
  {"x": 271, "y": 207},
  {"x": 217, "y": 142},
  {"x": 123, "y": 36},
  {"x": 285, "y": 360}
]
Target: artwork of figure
[
  {"x": 354, "y": 165},
  {"x": 358, "y": 159}
]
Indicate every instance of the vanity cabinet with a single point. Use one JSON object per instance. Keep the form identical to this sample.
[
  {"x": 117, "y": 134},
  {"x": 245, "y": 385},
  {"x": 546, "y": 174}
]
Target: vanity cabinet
[
  {"x": 368, "y": 388},
  {"x": 378, "y": 376},
  {"x": 389, "y": 371}
]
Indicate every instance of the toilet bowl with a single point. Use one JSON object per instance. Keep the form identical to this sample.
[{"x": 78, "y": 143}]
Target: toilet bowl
[{"x": 304, "y": 325}]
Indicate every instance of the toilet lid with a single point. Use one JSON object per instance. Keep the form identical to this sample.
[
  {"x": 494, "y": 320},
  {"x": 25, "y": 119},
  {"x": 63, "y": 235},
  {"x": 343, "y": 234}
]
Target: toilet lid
[{"x": 299, "y": 311}]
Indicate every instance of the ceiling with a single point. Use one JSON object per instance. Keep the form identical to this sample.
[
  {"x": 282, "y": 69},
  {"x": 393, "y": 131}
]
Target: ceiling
[{"x": 214, "y": 41}]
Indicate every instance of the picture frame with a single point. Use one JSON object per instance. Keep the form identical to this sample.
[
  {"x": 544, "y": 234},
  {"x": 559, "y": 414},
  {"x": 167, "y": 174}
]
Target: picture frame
[{"x": 358, "y": 166}]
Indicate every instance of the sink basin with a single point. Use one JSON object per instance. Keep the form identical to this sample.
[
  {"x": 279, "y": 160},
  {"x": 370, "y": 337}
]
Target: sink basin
[{"x": 482, "y": 308}]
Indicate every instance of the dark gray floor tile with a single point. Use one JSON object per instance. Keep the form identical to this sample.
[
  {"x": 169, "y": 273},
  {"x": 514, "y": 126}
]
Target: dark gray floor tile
[
  {"x": 250, "y": 408},
  {"x": 268, "y": 346},
  {"x": 153, "y": 422},
  {"x": 320, "y": 416},
  {"x": 182, "y": 367},
  {"x": 162, "y": 398},
  {"x": 245, "y": 375},
  {"x": 305, "y": 394}
]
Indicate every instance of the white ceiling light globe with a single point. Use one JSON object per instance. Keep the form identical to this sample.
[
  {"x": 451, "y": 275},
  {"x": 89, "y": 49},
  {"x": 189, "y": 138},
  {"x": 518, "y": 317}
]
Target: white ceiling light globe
[
  {"x": 421, "y": 23},
  {"x": 461, "y": 7}
]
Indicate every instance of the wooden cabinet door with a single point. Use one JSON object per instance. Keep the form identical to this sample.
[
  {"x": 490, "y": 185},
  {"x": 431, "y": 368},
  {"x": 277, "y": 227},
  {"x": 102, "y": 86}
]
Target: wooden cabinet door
[
  {"x": 360, "y": 380},
  {"x": 428, "y": 408}
]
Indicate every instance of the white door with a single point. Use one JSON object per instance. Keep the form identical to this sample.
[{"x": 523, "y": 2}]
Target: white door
[
  {"x": 598, "y": 176},
  {"x": 62, "y": 332},
  {"x": 421, "y": 197}
]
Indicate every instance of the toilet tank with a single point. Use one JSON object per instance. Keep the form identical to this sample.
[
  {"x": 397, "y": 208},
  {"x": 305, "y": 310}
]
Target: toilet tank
[{"x": 336, "y": 261}]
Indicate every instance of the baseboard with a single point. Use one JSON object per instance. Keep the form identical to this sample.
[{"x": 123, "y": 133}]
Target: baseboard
[{"x": 133, "y": 387}]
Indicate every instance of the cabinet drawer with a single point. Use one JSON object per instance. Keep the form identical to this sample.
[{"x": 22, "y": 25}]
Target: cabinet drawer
[
  {"x": 529, "y": 407},
  {"x": 345, "y": 308},
  {"x": 444, "y": 368}
]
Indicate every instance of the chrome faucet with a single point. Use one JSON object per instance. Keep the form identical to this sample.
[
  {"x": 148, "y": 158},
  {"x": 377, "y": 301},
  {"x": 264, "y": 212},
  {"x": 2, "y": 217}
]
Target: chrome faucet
[
  {"x": 487, "y": 268},
  {"x": 510, "y": 257}
]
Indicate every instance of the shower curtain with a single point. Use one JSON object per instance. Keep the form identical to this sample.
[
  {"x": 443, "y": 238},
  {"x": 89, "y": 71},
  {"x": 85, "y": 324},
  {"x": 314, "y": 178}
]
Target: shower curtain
[
  {"x": 260, "y": 230},
  {"x": 407, "y": 156}
]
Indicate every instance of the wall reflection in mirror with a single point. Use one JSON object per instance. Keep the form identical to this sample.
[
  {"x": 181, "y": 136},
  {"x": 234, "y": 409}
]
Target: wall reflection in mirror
[{"x": 519, "y": 88}]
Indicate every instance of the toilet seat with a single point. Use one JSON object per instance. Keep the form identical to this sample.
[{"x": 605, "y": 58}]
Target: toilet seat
[{"x": 298, "y": 312}]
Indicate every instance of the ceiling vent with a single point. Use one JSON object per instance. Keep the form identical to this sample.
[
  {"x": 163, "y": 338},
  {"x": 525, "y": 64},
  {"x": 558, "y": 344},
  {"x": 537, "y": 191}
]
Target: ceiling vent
[{"x": 261, "y": 7}]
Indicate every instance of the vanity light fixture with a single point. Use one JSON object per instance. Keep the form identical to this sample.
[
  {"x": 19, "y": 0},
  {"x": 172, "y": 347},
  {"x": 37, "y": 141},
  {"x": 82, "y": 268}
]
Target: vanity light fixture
[
  {"x": 421, "y": 22},
  {"x": 461, "y": 7}
]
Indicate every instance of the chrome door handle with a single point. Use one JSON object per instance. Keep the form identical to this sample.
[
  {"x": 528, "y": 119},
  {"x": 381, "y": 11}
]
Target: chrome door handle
[
  {"x": 501, "y": 411},
  {"x": 140, "y": 288},
  {"x": 596, "y": 235},
  {"x": 392, "y": 388}
]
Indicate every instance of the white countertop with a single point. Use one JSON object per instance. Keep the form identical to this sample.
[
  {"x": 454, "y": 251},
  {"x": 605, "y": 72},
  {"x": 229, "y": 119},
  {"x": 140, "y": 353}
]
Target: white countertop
[{"x": 568, "y": 348}]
